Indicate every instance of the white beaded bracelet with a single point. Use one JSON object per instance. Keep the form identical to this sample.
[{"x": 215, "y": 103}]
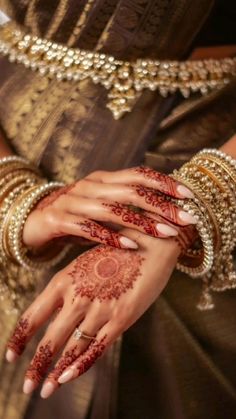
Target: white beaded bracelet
[{"x": 16, "y": 226}]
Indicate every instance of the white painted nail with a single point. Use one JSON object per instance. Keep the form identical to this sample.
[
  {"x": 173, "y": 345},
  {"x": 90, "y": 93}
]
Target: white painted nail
[
  {"x": 187, "y": 218},
  {"x": 29, "y": 386},
  {"x": 11, "y": 355},
  {"x": 66, "y": 376},
  {"x": 128, "y": 243},
  {"x": 47, "y": 389},
  {"x": 166, "y": 230},
  {"x": 185, "y": 192}
]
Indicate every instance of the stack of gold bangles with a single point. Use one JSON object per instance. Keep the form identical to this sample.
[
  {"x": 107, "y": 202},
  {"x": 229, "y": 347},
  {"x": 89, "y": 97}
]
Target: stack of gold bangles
[
  {"x": 21, "y": 188},
  {"x": 211, "y": 175}
]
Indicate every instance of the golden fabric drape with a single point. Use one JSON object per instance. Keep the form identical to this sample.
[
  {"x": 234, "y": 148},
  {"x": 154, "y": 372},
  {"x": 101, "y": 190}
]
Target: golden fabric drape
[{"x": 66, "y": 129}]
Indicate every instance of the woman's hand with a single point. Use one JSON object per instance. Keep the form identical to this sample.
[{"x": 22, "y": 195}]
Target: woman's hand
[
  {"x": 103, "y": 292},
  {"x": 106, "y": 197}
]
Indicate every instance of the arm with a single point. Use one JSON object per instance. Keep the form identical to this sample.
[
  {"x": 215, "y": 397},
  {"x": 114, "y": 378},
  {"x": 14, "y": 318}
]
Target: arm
[{"x": 104, "y": 291}]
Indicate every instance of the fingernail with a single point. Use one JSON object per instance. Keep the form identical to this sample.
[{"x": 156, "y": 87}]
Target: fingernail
[
  {"x": 11, "y": 355},
  {"x": 29, "y": 386},
  {"x": 187, "y": 218},
  {"x": 185, "y": 192},
  {"x": 128, "y": 243},
  {"x": 47, "y": 389},
  {"x": 167, "y": 230},
  {"x": 66, "y": 376}
]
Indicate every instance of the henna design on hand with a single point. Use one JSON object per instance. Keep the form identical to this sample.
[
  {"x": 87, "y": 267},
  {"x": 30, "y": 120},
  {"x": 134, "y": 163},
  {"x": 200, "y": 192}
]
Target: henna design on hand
[
  {"x": 166, "y": 184},
  {"x": 186, "y": 237},
  {"x": 105, "y": 273},
  {"x": 88, "y": 358},
  {"x": 19, "y": 338},
  {"x": 158, "y": 200},
  {"x": 64, "y": 362},
  {"x": 97, "y": 231},
  {"x": 129, "y": 216},
  {"x": 40, "y": 363},
  {"x": 53, "y": 196}
]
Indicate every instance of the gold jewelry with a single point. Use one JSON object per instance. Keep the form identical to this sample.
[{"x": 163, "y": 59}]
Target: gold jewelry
[
  {"x": 20, "y": 210},
  {"x": 211, "y": 175},
  {"x": 78, "y": 334},
  {"x": 125, "y": 80},
  {"x": 202, "y": 262},
  {"x": 14, "y": 191},
  {"x": 18, "y": 178}
]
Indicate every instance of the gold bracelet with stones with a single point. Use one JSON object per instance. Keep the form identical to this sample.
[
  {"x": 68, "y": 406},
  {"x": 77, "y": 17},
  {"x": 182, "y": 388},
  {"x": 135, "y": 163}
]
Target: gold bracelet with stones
[
  {"x": 17, "y": 177},
  {"x": 228, "y": 160},
  {"x": 224, "y": 180},
  {"x": 201, "y": 261},
  {"x": 13, "y": 193},
  {"x": 17, "y": 161},
  {"x": 14, "y": 231},
  {"x": 222, "y": 168},
  {"x": 213, "y": 195},
  {"x": 211, "y": 174}
]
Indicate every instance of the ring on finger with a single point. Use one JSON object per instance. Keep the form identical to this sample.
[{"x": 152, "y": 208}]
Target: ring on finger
[{"x": 78, "y": 334}]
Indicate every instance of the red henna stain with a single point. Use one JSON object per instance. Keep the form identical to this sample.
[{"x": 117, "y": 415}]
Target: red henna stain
[
  {"x": 88, "y": 358},
  {"x": 166, "y": 184},
  {"x": 105, "y": 273},
  {"x": 106, "y": 268},
  {"x": 187, "y": 235},
  {"x": 129, "y": 216},
  {"x": 64, "y": 362},
  {"x": 19, "y": 338},
  {"x": 101, "y": 233},
  {"x": 53, "y": 196},
  {"x": 40, "y": 363},
  {"x": 157, "y": 200}
]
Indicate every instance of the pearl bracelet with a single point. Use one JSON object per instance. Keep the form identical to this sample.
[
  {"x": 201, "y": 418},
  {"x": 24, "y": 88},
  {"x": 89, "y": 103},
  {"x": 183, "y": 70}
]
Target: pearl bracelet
[
  {"x": 23, "y": 206},
  {"x": 211, "y": 175}
]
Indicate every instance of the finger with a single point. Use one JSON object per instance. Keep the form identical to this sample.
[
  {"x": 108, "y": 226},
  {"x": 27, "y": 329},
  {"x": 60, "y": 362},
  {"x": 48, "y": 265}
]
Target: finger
[
  {"x": 152, "y": 200},
  {"x": 106, "y": 336},
  {"x": 88, "y": 229},
  {"x": 145, "y": 176},
  {"x": 121, "y": 215},
  {"x": 56, "y": 335},
  {"x": 140, "y": 196},
  {"x": 33, "y": 318},
  {"x": 75, "y": 346},
  {"x": 155, "y": 227}
]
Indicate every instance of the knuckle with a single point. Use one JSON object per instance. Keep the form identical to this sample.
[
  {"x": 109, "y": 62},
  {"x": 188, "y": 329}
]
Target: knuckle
[
  {"x": 80, "y": 305},
  {"x": 50, "y": 219},
  {"x": 96, "y": 174},
  {"x": 80, "y": 184},
  {"x": 120, "y": 322},
  {"x": 132, "y": 194},
  {"x": 57, "y": 283}
]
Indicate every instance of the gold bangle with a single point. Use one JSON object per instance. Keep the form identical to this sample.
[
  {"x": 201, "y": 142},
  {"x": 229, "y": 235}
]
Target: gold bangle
[{"x": 24, "y": 206}]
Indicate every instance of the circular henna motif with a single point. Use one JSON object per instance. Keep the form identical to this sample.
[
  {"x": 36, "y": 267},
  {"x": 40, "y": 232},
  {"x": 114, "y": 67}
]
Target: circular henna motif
[{"x": 105, "y": 273}]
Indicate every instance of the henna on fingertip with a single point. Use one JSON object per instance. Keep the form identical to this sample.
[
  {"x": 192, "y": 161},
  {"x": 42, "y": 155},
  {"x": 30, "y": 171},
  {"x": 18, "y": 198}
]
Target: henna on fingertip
[
  {"x": 164, "y": 205},
  {"x": 85, "y": 361},
  {"x": 164, "y": 183},
  {"x": 18, "y": 340},
  {"x": 146, "y": 224},
  {"x": 104, "y": 235}
]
